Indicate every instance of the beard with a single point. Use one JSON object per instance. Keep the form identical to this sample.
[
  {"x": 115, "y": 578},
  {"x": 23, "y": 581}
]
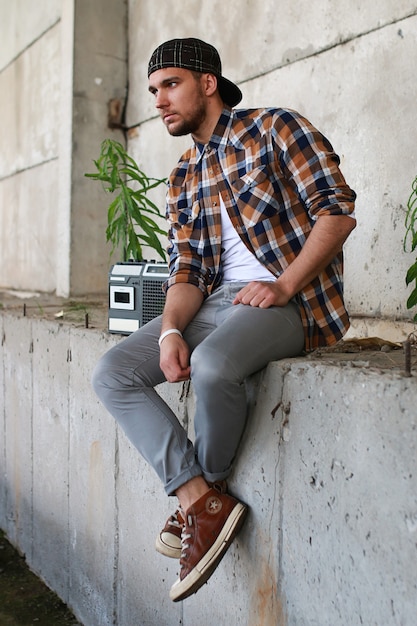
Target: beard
[{"x": 192, "y": 121}]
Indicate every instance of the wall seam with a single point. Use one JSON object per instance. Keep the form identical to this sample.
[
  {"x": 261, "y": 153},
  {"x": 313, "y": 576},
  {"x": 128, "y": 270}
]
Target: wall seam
[
  {"x": 32, "y": 454},
  {"x": 116, "y": 554},
  {"x": 3, "y": 513},
  {"x": 32, "y": 43},
  {"x": 327, "y": 48},
  {"x": 318, "y": 52},
  {"x": 30, "y": 167},
  {"x": 69, "y": 552}
]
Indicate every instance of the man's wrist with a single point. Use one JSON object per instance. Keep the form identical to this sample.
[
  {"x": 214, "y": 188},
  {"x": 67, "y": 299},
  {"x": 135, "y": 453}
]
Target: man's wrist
[
  {"x": 170, "y": 331},
  {"x": 285, "y": 286}
]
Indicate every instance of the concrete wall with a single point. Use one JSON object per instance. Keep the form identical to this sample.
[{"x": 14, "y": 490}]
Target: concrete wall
[
  {"x": 100, "y": 74},
  {"x": 327, "y": 465},
  {"x": 348, "y": 66},
  {"x": 60, "y": 63},
  {"x": 29, "y": 142}
]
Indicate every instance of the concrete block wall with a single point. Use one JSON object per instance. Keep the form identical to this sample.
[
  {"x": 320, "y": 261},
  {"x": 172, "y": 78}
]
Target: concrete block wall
[
  {"x": 328, "y": 466},
  {"x": 60, "y": 64},
  {"x": 29, "y": 144}
]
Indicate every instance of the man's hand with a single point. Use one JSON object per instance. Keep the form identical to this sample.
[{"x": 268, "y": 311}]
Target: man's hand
[
  {"x": 323, "y": 243},
  {"x": 175, "y": 359},
  {"x": 262, "y": 295},
  {"x": 182, "y": 302}
]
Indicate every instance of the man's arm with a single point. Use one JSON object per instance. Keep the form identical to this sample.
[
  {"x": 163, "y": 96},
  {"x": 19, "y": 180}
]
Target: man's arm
[
  {"x": 323, "y": 243},
  {"x": 183, "y": 300}
]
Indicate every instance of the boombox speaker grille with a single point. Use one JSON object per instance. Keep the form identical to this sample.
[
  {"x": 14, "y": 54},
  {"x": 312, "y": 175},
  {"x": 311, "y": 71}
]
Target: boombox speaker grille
[{"x": 153, "y": 300}]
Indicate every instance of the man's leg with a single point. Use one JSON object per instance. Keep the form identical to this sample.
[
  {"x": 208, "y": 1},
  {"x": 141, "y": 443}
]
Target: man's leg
[
  {"x": 124, "y": 380},
  {"x": 246, "y": 340}
]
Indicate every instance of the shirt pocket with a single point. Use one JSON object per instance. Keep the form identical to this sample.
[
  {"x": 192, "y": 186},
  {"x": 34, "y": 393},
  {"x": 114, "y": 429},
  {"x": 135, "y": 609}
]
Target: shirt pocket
[
  {"x": 182, "y": 208},
  {"x": 255, "y": 196},
  {"x": 250, "y": 180},
  {"x": 185, "y": 216}
]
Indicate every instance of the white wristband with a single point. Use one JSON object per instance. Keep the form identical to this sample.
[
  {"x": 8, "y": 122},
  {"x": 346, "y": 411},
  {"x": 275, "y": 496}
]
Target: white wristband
[{"x": 171, "y": 331}]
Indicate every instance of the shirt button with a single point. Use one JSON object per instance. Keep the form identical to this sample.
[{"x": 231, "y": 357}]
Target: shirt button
[{"x": 214, "y": 203}]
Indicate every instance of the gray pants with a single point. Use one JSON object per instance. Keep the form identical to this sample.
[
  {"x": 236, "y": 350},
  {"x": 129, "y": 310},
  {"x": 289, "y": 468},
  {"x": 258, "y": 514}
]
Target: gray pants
[{"x": 228, "y": 343}]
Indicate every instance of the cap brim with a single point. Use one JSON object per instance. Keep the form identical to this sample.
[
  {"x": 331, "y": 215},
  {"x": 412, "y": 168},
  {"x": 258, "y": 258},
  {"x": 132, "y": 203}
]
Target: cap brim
[{"x": 229, "y": 92}]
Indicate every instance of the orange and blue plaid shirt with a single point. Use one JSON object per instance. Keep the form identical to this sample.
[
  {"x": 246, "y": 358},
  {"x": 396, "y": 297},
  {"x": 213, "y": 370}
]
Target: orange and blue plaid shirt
[{"x": 276, "y": 174}]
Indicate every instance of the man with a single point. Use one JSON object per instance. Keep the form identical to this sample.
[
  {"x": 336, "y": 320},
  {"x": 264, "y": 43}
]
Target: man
[{"x": 258, "y": 212}]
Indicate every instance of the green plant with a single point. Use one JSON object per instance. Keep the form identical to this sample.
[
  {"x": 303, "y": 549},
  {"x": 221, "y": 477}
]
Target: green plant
[
  {"x": 130, "y": 216},
  {"x": 411, "y": 232}
]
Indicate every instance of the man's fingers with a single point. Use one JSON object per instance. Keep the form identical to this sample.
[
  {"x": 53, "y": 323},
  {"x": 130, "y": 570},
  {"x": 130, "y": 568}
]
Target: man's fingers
[{"x": 262, "y": 295}]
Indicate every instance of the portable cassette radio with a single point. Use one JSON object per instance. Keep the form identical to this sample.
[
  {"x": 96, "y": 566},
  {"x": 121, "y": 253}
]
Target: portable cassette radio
[{"x": 135, "y": 294}]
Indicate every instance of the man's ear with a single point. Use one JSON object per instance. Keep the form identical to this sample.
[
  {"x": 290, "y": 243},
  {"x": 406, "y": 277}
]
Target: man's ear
[{"x": 209, "y": 84}]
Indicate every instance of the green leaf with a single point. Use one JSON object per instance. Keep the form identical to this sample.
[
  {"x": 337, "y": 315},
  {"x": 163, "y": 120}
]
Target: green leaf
[
  {"x": 136, "y": 175},
  {"x": 155, "y": 244},
  {"x": 147, "y": 204},
  {"x": 112, "y": 210},
  {"x": 156, "y": 182},
  {"x": 150, "y": 225},
  {"x": 411, "y": 274},
  {"x": 412, "y": 299}
]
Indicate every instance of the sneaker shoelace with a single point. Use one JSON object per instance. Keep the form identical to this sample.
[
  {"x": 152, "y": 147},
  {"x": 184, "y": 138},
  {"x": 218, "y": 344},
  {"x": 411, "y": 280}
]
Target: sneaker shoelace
[
  {"x": 174, "y": 521},
  {"x": 185, "y": 536}
]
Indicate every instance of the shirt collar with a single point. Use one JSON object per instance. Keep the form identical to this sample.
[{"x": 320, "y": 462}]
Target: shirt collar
[{"x": 219, "y": 138}]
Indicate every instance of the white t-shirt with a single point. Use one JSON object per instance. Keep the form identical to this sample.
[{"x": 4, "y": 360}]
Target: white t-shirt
[{"x": 238, "y": 263}]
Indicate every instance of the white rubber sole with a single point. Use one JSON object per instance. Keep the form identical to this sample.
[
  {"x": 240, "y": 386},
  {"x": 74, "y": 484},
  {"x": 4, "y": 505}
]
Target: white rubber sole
[
  {"x": 171, "y": 551},
  {"x": 181, "y": 589}
]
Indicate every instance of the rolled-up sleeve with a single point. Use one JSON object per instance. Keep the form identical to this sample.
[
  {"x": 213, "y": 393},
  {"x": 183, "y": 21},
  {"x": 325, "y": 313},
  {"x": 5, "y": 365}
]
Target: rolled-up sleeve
[{"x": 311, "y": 166}]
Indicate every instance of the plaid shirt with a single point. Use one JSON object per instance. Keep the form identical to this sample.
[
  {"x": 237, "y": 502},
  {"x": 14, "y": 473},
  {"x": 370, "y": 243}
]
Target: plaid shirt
[{"x": 276, "y": 175}]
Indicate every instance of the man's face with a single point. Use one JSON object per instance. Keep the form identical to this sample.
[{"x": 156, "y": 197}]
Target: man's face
[{"x": 180, "y": 100}]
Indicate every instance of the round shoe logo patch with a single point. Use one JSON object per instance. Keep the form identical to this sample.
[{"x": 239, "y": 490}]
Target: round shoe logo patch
[{"x": 213, "y": 505}]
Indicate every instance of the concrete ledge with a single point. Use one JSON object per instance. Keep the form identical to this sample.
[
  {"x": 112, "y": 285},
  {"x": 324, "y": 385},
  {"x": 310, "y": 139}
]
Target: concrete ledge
[{"x": 328, "y": 466}]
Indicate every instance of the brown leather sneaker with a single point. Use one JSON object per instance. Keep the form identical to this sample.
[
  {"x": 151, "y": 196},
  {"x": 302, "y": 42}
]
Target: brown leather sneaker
[
  {"x": 210, "y": 526},
  {"x": 168, "y": 542}
]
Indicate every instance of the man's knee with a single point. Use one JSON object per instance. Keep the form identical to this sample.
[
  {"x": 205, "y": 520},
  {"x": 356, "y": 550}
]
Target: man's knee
[
  {"x": 108, "y": 375},
  {"x": 101, "y": 377},
  {"x": 211, "y": 367}
]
